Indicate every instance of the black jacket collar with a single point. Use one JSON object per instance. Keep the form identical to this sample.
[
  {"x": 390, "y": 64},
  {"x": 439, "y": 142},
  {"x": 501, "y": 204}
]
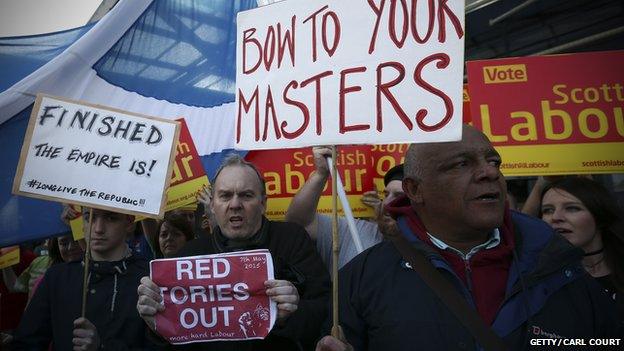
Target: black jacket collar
[{"x": 257, "y": 241}]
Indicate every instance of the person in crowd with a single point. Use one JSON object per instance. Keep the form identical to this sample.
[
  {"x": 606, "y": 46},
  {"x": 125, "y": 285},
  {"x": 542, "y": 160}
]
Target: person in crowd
[
  {"x": 66, "y": 248},
  {"x": 25, "y": 283},
  {"x": 136, "y": 239},
  {"x": 587, "y": 215},
  {"x": 139, "y": 243},
  {"x": 60, "y": 249},
  {"x": 155, "y": 232},
  {"x": 39, "y": 248},
  {"x": 69, "y": 212},
  {"x": 207, "y": 220},
  {"x": 301, "y": 284},
  {"x": 518, "y": 277},
  {"x": 152, "y": 227},
  {"x": 207, "y": 223},
  {"x": 53, "y": 316},
  {"x": 12, "y": 304},
  {"x": 187, "y": 214},
  {"x": 174, "y": 232},
  {"x": 392, "y": 189},
  {"x": 302, "y": 210},
  {"x": 532, "y": 205}
]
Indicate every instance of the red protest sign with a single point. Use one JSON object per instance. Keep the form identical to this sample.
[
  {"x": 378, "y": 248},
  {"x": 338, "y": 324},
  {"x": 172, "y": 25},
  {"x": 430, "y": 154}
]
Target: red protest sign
[
  {"x": 466, "y": 115},
  {"x": 559, "y": 114},
  {"x": 286, "y": 170},
  {"x": 384, "y": 158},
  {"x": 359, "y": 166},
  {"x": 187, "y": 164},
  {"x": 188, "y": 174},
  {"x": 214, "y": 297}
]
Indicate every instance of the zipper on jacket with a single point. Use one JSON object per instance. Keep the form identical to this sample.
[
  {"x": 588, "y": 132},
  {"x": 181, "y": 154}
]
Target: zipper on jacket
[
  {"x": 468, "y": 273},
  {"x": 439, "y": 263}
]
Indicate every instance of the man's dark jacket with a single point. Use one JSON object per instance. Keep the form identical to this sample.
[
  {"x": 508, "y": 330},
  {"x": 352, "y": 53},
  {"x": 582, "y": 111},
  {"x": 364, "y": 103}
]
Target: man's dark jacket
[
  {"x": 295, "y": 259},
  {"x": 111, "y": 307},
  {"x": 385, "y": 305}
]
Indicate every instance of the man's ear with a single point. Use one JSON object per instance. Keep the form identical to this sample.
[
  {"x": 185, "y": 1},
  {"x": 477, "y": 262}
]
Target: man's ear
[{"x": 411, "y": 188}]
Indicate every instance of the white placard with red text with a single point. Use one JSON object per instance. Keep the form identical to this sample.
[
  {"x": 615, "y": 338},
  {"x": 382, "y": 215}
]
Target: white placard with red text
[
  {"x": 214, "y": 297},
  {"x": 313, "y": 72}
]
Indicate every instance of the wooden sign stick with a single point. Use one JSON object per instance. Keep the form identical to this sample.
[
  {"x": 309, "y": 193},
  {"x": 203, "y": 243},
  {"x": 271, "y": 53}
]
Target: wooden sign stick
[
  {"x": 87, "y": 258},
  {"x": 336, "y": 330}
]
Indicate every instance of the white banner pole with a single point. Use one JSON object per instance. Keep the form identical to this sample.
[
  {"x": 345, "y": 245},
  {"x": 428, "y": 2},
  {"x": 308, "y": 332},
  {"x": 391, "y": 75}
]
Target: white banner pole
[{"x": 347, "y": 209}]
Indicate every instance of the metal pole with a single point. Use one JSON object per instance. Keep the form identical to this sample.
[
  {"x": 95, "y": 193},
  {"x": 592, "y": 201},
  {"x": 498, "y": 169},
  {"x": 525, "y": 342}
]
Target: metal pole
[
  {"x": 511, "y": 12},
  {"x": 582, "y": 41}
]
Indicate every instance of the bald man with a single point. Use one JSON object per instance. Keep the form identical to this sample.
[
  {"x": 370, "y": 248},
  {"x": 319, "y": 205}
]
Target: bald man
[{"x": 524, "y": 281}]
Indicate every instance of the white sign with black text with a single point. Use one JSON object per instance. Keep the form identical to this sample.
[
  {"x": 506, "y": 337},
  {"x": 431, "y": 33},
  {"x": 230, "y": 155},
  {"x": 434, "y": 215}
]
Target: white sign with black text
[{"x": 96, "y": 156}]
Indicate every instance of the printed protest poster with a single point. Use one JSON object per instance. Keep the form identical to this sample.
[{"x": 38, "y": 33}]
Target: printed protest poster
[
  {"x": 214, "y": 297},
  {"x": 76, "y": 223},
  {"x": 77, "y": 228},
  {"x": 9, "y": 256},
  {"x": 188, "y": 175},
  {"x": 361, "y": 168},
  {"x": 334, "y": 72},
  {"x": 96, "y": 156},
  {"x": 285, "y": 172},
  {"x": 466, "y": 114},
  {"x": 552, "y": 114},
  {"x": 384, "y": 157}
]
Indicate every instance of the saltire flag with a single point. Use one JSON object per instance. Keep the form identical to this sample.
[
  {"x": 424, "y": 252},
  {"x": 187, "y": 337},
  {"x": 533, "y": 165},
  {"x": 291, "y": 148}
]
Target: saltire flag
[{"x": 165, "y": 58}]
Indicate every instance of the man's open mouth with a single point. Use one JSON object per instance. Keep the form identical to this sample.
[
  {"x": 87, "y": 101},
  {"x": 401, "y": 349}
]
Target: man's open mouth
[
  {"x": 494, "y": 196},
  {"x": 236, "y": 219}
]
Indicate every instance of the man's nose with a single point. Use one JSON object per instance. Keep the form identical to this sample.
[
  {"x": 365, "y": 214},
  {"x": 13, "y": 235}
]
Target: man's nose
[
  {"x": 98, "y": 225},
  {"x": 235, "y": 202},
  {"x": 487, "y": 171}
]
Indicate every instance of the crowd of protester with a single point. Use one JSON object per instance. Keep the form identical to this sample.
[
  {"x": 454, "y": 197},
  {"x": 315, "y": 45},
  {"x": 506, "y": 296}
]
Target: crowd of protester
[{"x": 555, "y": 269}]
